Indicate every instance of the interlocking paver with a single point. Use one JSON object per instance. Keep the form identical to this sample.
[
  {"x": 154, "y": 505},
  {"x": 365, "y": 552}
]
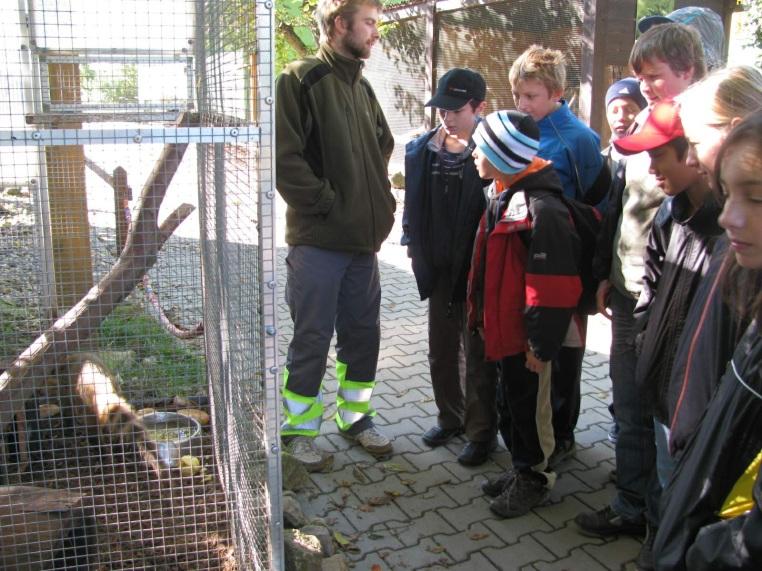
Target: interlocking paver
[
  {"x": 527, "y": 550},
  {"x": 476, "y": 562},
  {"x": 578, "y": 559},
  {"x": 615, "y": 554},
  {"x": 563, "y": 540},
  {"x": 440, "y": 502},
  {"x": 461, "y": 545}
]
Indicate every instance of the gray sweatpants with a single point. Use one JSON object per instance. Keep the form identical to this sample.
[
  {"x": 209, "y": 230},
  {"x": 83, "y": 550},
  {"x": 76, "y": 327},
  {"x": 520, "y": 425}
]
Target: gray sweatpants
[{"x": 328, "y": 290}]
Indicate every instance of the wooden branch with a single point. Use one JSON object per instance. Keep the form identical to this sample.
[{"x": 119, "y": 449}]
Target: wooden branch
[
  {"x": 290, "y": 35},
  {"x": 68, "y": 333}
]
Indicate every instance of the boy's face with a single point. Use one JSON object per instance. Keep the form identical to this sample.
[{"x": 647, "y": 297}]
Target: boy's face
[
  {"x": 658, "y": 82},
  {"x": 460, "y": 123},
  {"x": 620, "y": 114},
  {"x": 533, "y": 98},
  {"x": 673, "y": 175},
  {"x": 485, "y": 168}
]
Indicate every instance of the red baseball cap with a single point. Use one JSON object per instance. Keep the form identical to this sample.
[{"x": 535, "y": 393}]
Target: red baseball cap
[{"x": 662, "y": 126}]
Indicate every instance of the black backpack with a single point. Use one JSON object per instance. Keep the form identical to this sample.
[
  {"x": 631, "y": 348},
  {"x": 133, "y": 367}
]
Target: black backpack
[{"x": 587, "y": 223}]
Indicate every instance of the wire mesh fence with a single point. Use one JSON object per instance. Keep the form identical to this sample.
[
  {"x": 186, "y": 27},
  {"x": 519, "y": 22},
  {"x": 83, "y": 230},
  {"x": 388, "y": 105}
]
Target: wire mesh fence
[{"x": 137, "y": 349}]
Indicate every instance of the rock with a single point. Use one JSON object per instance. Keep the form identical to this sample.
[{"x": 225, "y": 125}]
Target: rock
[
  {"x": 295, "y": 476},
  {"x": 293, "y": 516},
  {"x": 199, "y": 415},
  {"x": 302, "y": 552},
  {"x": 325, "y": 537},
  {"x": 335, "y": 563},
  {"x": 397, "y": 180},
  {"x": 48, "y": 410}
]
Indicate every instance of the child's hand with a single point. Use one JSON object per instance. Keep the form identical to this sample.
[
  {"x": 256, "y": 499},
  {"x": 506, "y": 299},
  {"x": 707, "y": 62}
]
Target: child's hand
[
  {"x": 534, "y": 364},
  {"x": 602, "y": 298}
]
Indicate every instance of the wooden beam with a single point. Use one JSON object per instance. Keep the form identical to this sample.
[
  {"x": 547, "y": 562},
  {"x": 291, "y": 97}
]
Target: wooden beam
[{"x": 67, "y": 197}]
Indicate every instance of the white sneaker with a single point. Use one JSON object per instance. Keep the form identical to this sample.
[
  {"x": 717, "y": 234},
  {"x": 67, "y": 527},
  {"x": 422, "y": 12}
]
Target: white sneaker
[
  {"x": 313, "y": 459},
  {"x": 372, "y": 441}
]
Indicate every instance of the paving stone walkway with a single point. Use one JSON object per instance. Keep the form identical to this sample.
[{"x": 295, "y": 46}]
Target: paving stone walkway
[{"x": 420, "y": 509}]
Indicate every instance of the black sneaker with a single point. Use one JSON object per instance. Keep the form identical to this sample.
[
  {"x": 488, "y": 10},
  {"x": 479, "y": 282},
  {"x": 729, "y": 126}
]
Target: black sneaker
[
  {"x": 606, "y": 522},
  {"x": 645, "y": 559},
  {"x": 529, "y": 490},
  {"x": 477, "y": 453},
  {"x": 493, "y": 488},
  {"x": 564, "y": 450},
  {"x": 437, "y": 436}
]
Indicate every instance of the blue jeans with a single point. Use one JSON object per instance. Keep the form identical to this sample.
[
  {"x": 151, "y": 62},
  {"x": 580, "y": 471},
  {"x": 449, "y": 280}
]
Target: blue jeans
[{"x": 638, "y": 490}]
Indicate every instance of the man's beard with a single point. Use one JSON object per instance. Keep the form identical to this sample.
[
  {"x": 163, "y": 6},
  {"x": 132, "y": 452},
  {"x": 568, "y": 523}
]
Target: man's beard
[{"x": 352, "y": 46}]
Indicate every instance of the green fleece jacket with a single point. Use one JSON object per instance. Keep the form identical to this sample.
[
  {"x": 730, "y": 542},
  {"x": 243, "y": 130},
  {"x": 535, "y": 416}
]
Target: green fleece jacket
[{"x": 332, "y": 151}]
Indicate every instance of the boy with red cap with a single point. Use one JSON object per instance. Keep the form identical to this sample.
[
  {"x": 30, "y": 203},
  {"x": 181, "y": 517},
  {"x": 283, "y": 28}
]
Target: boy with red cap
[{"x": 677, "y": 256}]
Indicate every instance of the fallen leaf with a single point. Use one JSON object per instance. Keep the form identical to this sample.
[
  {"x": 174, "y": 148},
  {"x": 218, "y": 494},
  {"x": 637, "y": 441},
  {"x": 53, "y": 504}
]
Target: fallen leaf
[
  {"x": 392, "y": 467},
  {"x": 408, "y": 482},
  {"x": 393, "y": 493},
  {"x": 359, "y": 474},
  {"x": 365, "y": 508},
  {"x": 375, "y": 567},
  {"x": 340, "y": 539},
  {"x": 380, "y": 500},
  {"x": 478, "y": 535},
  {"x": 435, "y": 548},
  {"x": 344, "y": 483}
]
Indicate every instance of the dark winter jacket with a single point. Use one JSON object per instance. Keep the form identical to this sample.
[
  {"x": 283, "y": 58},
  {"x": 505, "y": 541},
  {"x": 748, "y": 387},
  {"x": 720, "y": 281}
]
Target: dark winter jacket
[
  {"x": 332, "y": 150},
  {"x": 524, "y": 283},
  {"x": 691, "y": 536},
  {"x": 677, "y": 257},
  {"x": 418, "y": 161},
  {"x": 604, "y": 248},
  {"x": 709, "y": 337}
]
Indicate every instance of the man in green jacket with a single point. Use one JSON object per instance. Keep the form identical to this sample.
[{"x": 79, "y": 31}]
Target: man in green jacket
[{"x": 332, "y": 150}]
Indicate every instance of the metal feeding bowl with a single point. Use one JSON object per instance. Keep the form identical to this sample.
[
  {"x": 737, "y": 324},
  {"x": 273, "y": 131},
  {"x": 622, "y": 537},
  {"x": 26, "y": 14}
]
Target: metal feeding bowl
[{"x": 174, "y": 434}]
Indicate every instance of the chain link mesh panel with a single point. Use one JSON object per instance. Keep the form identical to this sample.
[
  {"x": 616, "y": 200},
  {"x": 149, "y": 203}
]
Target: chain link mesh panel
[{"x": 136, "y": 247}]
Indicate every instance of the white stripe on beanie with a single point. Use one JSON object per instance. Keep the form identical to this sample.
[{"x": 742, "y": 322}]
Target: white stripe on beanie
[{"x": 509, "y": 140}]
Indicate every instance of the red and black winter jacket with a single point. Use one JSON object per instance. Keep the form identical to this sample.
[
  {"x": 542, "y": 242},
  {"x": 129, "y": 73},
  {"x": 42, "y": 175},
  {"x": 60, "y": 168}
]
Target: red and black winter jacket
[{"x": 524, "y": 283}]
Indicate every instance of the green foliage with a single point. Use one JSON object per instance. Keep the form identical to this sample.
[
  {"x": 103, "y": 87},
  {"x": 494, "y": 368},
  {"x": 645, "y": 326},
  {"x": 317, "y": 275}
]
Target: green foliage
[
  {"x": 753, "y": 28},
  {"x": 654, "y": 7},
  {"x": 19, "y": 325},
  {"x": 159, "y": 365},
  {"x": 116, "y": 88},
  {"x": 296, "y": 30}
]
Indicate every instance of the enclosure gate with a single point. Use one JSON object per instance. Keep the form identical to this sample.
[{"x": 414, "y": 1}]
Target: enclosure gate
[{"x": 178, "y": 318}]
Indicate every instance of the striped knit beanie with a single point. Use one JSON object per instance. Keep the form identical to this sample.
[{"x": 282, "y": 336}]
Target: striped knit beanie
[{"x": 509, "y": 140}]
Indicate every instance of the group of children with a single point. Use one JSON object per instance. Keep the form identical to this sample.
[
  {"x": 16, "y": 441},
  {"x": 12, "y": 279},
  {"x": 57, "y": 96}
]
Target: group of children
[{"x": 678, "y": 262}]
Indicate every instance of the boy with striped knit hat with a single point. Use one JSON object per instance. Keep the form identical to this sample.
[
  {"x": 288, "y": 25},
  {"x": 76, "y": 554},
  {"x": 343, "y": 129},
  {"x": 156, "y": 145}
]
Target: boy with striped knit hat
[{"x": 524, "y": 286}]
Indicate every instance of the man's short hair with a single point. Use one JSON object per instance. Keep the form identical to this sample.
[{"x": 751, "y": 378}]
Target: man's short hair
[
  {"x": 543, "y": 64},
  {"x": 327, "y": 11},
  {"x": 676, "y": 44}
]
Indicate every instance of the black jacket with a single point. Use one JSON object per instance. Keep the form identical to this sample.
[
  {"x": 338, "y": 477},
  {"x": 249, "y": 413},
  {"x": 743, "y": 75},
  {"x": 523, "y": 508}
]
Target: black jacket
[
  {"x": 710, "y": 334},
  {"x": 677, "y": 257},
  {"x": 691, "y": 536},
  {"x": 604, "y": 247},
  {"x": 418, "y": 159}
]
